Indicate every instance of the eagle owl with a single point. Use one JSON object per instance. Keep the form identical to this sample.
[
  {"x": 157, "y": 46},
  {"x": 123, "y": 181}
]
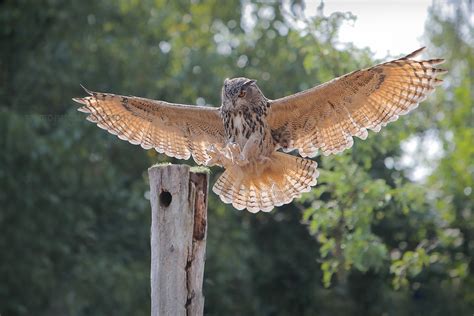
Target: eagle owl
[{"x": 249, "y": 135}]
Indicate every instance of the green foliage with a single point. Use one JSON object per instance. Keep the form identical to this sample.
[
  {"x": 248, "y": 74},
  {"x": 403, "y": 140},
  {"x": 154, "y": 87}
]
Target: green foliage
[
  {"x": 339, "y": 208},
  {"x": 74, "y": 215},
  {"x": 410, "y": 265}
]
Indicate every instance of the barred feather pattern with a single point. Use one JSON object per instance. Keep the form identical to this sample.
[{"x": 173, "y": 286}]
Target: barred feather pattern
[
  {"x": 176, "y": 130},
  {"x": 327, "y": 116},
  {"x": 260, "y": 187}
]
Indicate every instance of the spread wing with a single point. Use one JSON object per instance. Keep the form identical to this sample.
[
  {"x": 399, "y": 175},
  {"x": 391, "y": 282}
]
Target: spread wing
[
  {"x": 327, "y": 116},
  {"x": 176, "y": 130}
]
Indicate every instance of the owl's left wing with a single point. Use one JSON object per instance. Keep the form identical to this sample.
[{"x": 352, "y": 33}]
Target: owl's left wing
[
  {"x": 177, "y": 130},
  {"x": 327, "y": 116}
]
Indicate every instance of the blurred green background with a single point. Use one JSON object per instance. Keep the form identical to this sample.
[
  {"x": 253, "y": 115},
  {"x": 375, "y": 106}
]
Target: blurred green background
[{"x": 74, "y": 214}]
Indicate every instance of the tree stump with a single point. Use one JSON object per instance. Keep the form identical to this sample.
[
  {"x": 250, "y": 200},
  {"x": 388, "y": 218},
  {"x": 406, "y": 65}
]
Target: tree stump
[{"x": 178, "y": 197}]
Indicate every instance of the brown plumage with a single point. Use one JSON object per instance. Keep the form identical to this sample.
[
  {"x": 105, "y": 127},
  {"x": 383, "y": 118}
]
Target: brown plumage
[{"x": 244, "y": 134}]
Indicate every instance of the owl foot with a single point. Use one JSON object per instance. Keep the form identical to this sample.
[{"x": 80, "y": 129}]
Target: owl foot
[
  {"x": 263, "y": 159},
  {"x": 233, "y": 150},
  {"x": 241, "y": 160},
  {"x": 216, "y": 156},
  {"x": 223, "y": 157},
  {"x": 230, "y": 155},
  {"x": 213, "y": 161},
  {"x": 236, "y": 155}
]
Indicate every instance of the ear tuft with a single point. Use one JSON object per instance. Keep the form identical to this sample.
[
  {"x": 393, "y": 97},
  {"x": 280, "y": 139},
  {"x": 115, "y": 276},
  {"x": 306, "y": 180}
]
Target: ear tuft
[{"x": 249, "y": 82}]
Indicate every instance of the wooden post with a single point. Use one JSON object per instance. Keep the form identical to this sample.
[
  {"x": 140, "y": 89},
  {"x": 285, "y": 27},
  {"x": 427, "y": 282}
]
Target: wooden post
[{"x": 178, "y": 200}]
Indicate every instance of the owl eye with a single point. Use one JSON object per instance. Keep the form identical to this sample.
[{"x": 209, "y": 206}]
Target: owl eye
[{"x": 242, "y": 93}]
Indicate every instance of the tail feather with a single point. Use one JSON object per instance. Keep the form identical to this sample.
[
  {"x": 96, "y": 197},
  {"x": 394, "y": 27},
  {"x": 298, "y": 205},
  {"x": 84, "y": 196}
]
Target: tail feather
[{"x": 260, "y": 187}]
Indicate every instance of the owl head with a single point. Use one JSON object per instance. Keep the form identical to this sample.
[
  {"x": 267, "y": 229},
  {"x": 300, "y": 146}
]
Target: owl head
[{"x": 238, "y": 92}]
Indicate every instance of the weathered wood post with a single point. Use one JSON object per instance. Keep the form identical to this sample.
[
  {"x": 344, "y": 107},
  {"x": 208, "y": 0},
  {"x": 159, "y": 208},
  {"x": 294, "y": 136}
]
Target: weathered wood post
[{"x": 178, "y": 197}]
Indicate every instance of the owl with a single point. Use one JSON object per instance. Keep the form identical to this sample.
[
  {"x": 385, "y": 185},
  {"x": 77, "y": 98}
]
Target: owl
[{"x": 250, "y": 135}]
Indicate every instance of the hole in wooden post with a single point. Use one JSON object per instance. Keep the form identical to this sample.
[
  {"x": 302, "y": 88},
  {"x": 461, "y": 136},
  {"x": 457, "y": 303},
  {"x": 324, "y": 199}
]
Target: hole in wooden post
[{"x": 165, "y": 198}]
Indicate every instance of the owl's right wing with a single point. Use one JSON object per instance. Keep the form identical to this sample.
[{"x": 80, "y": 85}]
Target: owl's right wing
[{"x": 176, "y": 130}]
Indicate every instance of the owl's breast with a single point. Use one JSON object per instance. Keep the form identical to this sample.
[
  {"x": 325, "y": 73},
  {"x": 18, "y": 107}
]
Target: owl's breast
[
  {"x": 241, "y": 125},
  {"x": 240, "y": 130}
]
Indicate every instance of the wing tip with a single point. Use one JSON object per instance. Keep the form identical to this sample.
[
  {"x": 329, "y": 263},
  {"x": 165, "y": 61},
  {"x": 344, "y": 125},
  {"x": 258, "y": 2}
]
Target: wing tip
[
  {"x": 86, "y": 90},
  {"x": 83, "y": 100},
  {"x": 415, "y": 53},
  {"x": 440, "y": 71},
  {"x": 437, "y": 61},
  {"x": 437, "y": 82},
  {"x": 79, "y": 100}
]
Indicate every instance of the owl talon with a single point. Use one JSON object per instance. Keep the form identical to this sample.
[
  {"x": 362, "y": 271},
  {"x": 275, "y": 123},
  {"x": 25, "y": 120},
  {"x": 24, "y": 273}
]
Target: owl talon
[
  {"x": 212, "y": 161},
  {"x": 242, "y": 161},
  {"x": 212, "y": 148},
  {"x": 232, "y": 152},
  {"x": 217, "y": 156},
  {"x": 236, "y": 155}
]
